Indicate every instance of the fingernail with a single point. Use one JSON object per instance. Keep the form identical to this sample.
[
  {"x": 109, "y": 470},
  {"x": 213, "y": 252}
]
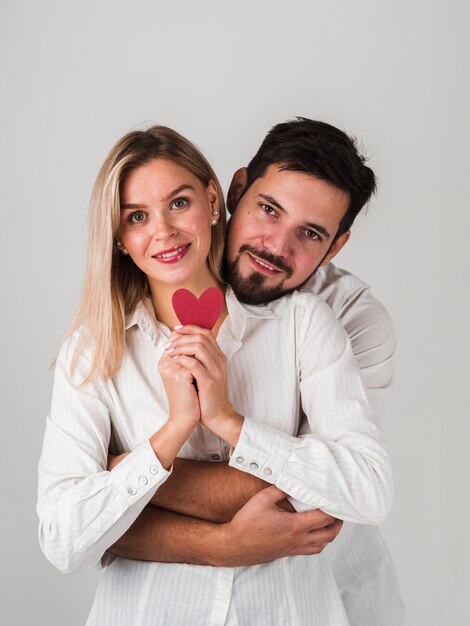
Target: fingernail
[
  {"x": 175, "y": 357},
  {"x": 169, "y": 349},
  {"x": 178, "y": 327}
]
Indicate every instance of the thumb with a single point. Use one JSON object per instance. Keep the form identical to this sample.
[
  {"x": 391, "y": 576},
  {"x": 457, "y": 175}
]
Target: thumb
[{"x": 272, "y": 494}]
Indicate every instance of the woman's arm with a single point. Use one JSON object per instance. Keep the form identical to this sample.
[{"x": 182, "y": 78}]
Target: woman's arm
[{"x": 83, "y": 508}]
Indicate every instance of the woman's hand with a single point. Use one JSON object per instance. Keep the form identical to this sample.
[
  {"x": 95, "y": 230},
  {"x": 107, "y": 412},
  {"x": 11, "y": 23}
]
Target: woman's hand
[
  {"x": 182, "y": 396},
  {"x": 197, "y": 351},
  {"x": 184, "y": 412}
]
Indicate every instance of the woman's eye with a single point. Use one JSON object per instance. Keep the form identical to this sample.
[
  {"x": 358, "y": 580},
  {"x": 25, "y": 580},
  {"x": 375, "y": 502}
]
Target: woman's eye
[
  {"x": 137, "y": 217},
  {"x": 179, "y": 203}
]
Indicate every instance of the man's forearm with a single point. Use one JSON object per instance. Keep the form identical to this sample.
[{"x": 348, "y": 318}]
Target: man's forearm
[
  {"x": 209, "y": 491},
  {"x": 259, "y": 532},
  {"x": 159, "y": 535}
]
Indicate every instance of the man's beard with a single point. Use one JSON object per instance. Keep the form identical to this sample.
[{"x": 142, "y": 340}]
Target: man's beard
[{"x": 252, "y": 289}]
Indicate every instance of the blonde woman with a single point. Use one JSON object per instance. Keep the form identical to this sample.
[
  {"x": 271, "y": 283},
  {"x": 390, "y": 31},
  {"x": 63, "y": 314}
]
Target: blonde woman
[{"x": 124, "y": 382}]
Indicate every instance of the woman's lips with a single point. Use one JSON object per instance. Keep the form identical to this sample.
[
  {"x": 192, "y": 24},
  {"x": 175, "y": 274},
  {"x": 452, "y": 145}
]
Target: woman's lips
[{"x": 173, "y": 255}]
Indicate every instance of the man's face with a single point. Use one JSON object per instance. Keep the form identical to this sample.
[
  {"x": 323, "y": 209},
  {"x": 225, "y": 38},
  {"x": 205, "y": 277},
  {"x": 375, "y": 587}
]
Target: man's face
[{"x": 281, "y": 231}]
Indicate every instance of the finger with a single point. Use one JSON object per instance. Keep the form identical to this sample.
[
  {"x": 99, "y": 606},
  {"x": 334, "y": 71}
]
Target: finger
[
  {"x": 197, "y": 342},
  {"x": 198, "y": 346},
  {"x": 170, "y": 370},
  {"x": 195, "y": 331},
  {"x": 316, "y": 519},
  {"x": 327, "y": 534},
  {"x": 189, "y": 329},
  {"x": 194, "y": 367},
  {"x": 201, "y": 354},
  {"x": 271, "y": 495}
]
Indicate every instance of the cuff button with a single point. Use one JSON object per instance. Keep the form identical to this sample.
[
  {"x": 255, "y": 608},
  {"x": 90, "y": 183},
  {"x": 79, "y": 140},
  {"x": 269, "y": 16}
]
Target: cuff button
[
  {"x": 240, "y": 459},
  {"x": 143, "y": 480},
  {"x": 153, "y": 469},
  {"x": 268, "y": 471}
]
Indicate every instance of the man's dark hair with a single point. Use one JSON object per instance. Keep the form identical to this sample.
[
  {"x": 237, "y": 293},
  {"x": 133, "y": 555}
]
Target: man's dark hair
[{"x": 319, "y": 149}]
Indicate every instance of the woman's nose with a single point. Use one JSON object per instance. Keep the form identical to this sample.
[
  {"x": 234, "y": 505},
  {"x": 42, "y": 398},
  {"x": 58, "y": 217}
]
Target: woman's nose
[{"x": 163, "y": 227}]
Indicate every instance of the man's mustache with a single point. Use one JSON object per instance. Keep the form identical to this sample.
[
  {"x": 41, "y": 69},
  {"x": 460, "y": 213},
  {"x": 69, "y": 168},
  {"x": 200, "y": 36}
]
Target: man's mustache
[{"x": 264, "y": 255}]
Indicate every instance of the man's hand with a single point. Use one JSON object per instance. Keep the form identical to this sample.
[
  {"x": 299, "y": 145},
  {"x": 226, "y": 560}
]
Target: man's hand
[{"x": 261, "y": 531}]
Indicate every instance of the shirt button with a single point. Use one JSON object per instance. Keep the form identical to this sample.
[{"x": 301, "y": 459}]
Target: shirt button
[
  {"x": 143, "y": 480},
  {"x": 254, "y": 466},
  {"x": 131, "y": 491},
  {"x": 268, "y": 471},
  {"x": 240, "y": 459},
  {"x": 215, "y": 457},
  {"x": 153, "y": 469}
]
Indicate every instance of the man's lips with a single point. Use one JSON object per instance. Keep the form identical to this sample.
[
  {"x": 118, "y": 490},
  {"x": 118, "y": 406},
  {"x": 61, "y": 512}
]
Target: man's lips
[
  {"x": 172, "y": 255},
  {"x": 263, "y": 266}
]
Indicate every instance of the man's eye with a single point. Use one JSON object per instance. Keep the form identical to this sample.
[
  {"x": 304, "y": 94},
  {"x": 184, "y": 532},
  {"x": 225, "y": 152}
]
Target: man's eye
[
  {"x": 268, "y": 209},
  {"x": 311, "y": 234},
  {"x": 179, "y": 203},
  {"x": 137, "y": 217}
]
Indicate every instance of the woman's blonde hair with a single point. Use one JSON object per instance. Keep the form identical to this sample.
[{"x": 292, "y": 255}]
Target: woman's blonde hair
[{"x": 113, "y": 284}]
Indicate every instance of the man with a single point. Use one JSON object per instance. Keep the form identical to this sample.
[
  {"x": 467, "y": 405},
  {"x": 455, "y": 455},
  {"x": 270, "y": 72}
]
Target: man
[{"x": 292, "y": 208}]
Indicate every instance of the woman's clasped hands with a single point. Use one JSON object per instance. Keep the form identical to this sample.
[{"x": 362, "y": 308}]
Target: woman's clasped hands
[{"x": 193, "y": 356}]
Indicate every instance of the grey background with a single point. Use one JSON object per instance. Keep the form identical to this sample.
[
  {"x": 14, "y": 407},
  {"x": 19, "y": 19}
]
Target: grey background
[{"x": 75, "y": 77}]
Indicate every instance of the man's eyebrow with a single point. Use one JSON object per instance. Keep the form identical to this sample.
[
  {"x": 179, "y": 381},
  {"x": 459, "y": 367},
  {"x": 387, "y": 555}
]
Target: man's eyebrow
[
  {"x": 271, "y": 200},
  {"x": 132, "y": 205},
  {"x": 321, "y": 229}
]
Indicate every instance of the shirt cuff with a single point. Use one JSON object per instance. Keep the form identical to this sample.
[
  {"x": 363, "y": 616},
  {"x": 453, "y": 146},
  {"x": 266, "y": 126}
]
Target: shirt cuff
[
  {"x": 261, "y": 451},
  {"x": 138, "y": 473}
]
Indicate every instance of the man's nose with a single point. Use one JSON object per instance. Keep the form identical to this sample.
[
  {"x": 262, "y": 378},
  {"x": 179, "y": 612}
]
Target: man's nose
[{"x": 279, "y": 243}]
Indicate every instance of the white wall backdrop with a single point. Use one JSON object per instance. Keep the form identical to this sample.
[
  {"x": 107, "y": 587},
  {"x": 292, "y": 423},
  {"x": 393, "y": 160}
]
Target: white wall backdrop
[{"x": 76, "y": 76}]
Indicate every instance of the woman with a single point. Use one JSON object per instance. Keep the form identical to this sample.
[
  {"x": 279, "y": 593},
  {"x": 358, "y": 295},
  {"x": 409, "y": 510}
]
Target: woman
[{"x": 156, "y": 225}]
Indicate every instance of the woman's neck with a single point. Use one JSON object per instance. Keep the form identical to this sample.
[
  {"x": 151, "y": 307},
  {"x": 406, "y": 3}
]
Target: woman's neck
[{"x": 162, "y": 295}]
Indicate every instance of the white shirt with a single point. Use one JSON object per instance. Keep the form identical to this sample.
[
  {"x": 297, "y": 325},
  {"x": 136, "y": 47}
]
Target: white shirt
[
  {"x": 359, "y": 557},
  {"x": 342, "y": 467}
]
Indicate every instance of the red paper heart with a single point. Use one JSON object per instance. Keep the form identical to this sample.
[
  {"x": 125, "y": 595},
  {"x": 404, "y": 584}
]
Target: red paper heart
[{"x": 203, "y": 311}]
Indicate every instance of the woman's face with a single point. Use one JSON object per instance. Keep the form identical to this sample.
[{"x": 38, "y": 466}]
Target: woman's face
[{"x": 165, "y": 226}]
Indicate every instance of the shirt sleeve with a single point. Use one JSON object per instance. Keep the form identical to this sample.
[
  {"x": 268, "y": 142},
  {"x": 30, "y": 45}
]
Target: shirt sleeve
[
  {"x": 340, "y": 466},
  {"x": 372, "y": 335},
  {"x": 83, "y": 509}
]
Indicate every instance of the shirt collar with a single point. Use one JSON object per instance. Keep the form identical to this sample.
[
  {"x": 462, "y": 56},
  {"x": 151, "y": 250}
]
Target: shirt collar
[
  {"x": 143, "y": 316},
  {"x": 239, "y": 313}
]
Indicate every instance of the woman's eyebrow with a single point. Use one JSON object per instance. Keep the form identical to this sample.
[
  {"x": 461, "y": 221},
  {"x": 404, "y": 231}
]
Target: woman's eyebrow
[
  {"x": 177, "y": 190},
  {"x": 134, "y": 205}
]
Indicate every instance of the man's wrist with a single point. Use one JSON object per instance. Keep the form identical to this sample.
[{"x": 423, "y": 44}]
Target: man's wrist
[{"x": 220, "y": 545}]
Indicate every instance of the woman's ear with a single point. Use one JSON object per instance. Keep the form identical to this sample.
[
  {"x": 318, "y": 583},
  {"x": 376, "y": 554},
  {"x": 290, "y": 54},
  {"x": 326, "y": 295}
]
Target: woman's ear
[
  {"x": 213, "y": 195},
  {"x": 237, "y": 187}
]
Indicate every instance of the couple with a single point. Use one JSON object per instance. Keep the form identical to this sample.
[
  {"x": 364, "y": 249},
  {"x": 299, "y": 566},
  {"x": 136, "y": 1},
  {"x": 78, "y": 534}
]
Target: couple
[{"x": 279, "y": 399}]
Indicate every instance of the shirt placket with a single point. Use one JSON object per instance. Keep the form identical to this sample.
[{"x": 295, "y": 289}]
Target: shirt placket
[{"x": 222, "y": 596}]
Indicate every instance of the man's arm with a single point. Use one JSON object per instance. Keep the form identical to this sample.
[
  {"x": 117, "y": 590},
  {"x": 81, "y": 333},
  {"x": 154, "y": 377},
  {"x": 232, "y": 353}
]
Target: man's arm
[
  {"x": 207, "y": 490},
  {"x": 259, "y": 532}
]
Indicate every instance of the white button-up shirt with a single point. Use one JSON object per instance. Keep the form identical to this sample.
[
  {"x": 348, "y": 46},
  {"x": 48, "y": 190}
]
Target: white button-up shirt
[
  {"x": 359, "y": 557},
  {"x": 286, "y": 358}
]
